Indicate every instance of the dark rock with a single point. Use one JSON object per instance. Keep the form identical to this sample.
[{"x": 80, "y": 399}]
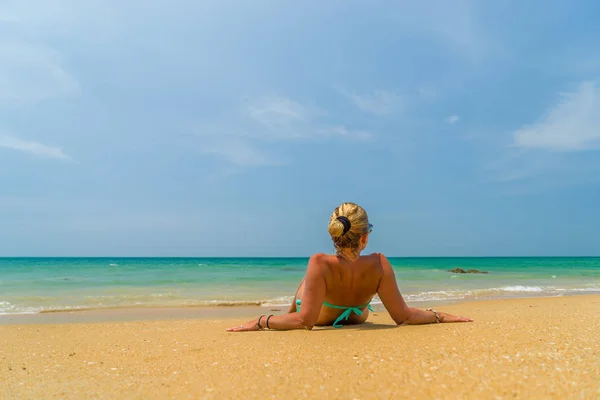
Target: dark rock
[{"x": 462, "y": 271}]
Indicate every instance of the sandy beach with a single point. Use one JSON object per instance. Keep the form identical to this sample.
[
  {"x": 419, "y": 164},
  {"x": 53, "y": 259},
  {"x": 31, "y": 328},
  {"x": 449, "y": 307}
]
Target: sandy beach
[{"x": 516, "y": 348}]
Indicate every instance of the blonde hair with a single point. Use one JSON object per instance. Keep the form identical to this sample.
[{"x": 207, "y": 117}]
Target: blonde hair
[{"x": 359, "y": 225}]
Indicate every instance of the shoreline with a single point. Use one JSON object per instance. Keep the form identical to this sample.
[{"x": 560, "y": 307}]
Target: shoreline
[
  {"x": 532, "y": 348},
  {"x": 219, "y": 311},
  {"x": 435, "y": 297}
]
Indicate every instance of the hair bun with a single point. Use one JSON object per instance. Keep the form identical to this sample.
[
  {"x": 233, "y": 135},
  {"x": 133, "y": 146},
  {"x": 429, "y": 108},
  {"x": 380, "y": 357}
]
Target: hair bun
[
  {"x": 347, "y": 225},
  {"x": 339, "y": 226},
  {"x": 336, "y": 228}
]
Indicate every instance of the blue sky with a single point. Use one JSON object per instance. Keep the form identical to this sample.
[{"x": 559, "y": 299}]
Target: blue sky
[{"x": 217, "y": 128}]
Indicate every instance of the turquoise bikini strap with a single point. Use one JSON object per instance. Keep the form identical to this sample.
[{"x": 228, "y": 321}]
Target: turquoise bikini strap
[
  {"x": 344, "y": 308},
  {"x": 345, "y": 315}
]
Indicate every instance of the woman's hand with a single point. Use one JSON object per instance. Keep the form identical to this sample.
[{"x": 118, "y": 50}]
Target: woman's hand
[
  {"x": 452, "y": 318},
  {"x": 248, "y": 326}
]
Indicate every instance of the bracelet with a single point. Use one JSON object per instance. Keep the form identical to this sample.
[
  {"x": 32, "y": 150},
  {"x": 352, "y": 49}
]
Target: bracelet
[
  {"x": 437, "y": 317},
  {"x": 258, "y": 323},
  {"x": 267, "y": 322}
]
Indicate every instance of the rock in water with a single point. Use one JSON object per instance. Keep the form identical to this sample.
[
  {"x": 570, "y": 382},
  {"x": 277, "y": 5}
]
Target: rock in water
[{"x": 462, "y": 271}]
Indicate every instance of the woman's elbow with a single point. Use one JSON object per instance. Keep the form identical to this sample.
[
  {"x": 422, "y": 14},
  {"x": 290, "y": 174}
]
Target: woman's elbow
[
  {"x": 403, "y": 317},
  {"x": 305, "y": 322}
]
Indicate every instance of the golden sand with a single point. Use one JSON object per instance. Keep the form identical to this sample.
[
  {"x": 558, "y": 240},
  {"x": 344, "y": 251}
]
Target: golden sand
[{"x": 542, "y": 348}]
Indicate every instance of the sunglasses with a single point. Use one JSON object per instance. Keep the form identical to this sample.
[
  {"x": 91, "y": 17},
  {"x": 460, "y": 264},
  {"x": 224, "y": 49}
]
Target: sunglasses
[{"x": 370, "y": 228}]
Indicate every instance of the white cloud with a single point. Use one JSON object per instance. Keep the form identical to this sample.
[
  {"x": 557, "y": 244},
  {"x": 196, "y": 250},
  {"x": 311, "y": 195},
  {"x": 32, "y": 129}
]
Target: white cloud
[
  {"x": 279, "y": 118},
  {"x": 452, "y": 119},
  {"x": 30, "y": 73},
  {"x": 570, "y": 125},
  {"x": 35, "y": 148},
  {"x": 379, "y": 102},
  {"x": 277, "y": 111},
  {"x": 243, "y": 139},
  {"x": 284, "y": 119},
  {"x": 551, "y": 152}
]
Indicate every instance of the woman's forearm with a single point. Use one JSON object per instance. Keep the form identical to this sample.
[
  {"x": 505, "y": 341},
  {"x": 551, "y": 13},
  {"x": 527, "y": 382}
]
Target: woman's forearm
[
  {"x": 420, "y": 317},
  {"x": 430, "y": 316},
  {"x": 285, "y": 322}
]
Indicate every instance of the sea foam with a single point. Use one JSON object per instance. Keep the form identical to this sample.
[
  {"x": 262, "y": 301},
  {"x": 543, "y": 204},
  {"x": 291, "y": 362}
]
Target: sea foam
[{"x": 523, "y": 289}]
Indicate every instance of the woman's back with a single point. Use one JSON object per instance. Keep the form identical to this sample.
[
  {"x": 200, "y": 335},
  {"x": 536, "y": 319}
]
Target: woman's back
[
  {"x": 347, "y": 284},
  {"x": 351, "y": 283}
]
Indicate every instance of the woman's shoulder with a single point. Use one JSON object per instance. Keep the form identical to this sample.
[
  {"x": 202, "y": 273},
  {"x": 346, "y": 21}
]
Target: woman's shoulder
[
  {"x": 320, "y": 262},
  {"x": 377, "y": 256},
  {"x": 320, "y": 257},
  {"x": 324, "y": 256},
  {"x": 378, "y": 259}
]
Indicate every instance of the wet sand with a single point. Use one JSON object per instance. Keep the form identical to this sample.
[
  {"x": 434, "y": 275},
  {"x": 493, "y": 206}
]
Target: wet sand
[{"x": 535, "y": 348}]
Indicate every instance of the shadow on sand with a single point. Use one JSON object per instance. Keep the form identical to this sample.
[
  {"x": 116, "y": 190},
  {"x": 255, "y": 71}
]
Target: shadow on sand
[{"x": 365, "y": 326}]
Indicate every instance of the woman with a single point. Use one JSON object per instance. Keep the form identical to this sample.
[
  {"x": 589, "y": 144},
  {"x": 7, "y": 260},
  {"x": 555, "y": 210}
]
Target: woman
[{"x": 339, "y": 288}]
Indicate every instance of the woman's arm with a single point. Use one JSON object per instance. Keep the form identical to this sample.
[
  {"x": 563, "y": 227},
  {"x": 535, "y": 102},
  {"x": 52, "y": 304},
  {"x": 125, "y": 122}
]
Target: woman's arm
[
  {"x": 312, "y": 301},
  {"x": 394, "y": 302}
]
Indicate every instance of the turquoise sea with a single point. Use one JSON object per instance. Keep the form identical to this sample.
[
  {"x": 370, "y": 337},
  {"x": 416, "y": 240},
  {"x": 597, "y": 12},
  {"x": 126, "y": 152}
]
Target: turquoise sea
[{"x": 33, "y": 285}]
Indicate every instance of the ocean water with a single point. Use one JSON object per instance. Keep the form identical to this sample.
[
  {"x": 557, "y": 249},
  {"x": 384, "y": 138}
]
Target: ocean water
[{"x": 33, "y": 285}]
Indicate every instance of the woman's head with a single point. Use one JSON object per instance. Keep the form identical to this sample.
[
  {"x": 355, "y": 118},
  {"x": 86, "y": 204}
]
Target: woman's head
[{"x": 349, "y": 228}]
